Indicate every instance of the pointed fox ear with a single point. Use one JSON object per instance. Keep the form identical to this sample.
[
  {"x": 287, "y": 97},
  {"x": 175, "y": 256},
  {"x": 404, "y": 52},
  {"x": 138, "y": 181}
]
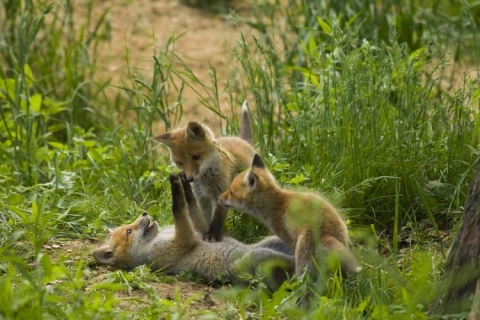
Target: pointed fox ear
[
  {"x": 165, "y": 138},
  {"x": 110, "y": 232},
  {"x": 258, "y": 162},
  {"x": 195, "y": 131},
  {"x": 104, "y": 255},
  {"x": 251, "y": 179}
]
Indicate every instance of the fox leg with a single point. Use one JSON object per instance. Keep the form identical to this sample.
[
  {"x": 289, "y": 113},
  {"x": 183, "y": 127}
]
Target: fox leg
[
  {"x": 196, "y": 214},
  {"x": 304, "y": 253},
  {"x": 215, "y": 232},
  {"x": 184, "y": 233}
]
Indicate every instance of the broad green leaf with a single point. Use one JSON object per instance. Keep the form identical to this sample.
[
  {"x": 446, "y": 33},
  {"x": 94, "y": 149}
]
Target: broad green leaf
[
  {"x": 58, "y": 145},
  {"x": 46, "y": 264},
  {"x": 35, "y": 211},
  {"x": 363, "y": 305},
  {"x": 56, "y": 127},
  {"x": 416, "y": 54},
  {"x": 19, "y": 212},
  {"x": 7, "y": 88},
  {"x": 16, "y": 199},
  {"x": 297, "y": 180},
  {"x": 36, "y": 102},
  {"x": 54, "y": 107},
  {"x": 312, "y": 45},
  {"x": 326, "y": 28},
  {"x": 311, "y": 77},
  {"x": 85, "y": 143},
  {"x": 352, "y": 19},
  {"x": 43, "y": 154},
  {"x": 29, "y": 78},
  {"x": 380, "y": 312},
  {"x": 476, "y": 96}
]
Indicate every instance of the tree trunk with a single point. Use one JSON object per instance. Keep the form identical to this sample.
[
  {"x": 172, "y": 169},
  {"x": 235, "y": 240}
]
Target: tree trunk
[{"x": 461, "y": 285}]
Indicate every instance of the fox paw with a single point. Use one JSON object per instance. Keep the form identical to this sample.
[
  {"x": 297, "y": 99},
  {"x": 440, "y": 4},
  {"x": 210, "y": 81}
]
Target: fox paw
[
  {"x": 184, "y": 177},
  {"x": 174, "y": 178},
  {"x": 186, "y": 186},
  {"x": 211, "y": 237}
]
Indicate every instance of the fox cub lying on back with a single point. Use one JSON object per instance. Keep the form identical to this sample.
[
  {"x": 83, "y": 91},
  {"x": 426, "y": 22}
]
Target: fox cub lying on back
[
  {"x": 178, "y": 248},
  {"x": 307, "y": 222},
  {"x": 211, "y": 164}
]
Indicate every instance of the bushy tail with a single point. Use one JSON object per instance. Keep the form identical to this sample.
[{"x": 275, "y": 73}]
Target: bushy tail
[{"x": 246, "y": 131}]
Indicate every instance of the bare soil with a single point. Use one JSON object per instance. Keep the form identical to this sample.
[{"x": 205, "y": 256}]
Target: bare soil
[{"x": 141, "y": 28}]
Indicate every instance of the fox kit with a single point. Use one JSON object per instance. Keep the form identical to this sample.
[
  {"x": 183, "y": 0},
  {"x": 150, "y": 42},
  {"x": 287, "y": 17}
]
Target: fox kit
[
  {"x": 180, "y": 247},
  {"x": 211, "y": 164},
  {"x": 305, "y": 221}
]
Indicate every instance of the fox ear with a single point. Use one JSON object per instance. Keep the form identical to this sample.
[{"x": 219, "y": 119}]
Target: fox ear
[
  {"x": 104, "y": 255},
  {"x": 165, "y": 138},
  {"x": 258, "y": 162},
  {"x": 251, "y": 179},
  {"x": 110, "y": 232},
  {"x": 195, "y": 131}
]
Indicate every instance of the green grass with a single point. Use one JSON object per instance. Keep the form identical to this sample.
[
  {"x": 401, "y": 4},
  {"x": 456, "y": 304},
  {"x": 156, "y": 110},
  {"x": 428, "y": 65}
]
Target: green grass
[{"x": 350, "y": 106}]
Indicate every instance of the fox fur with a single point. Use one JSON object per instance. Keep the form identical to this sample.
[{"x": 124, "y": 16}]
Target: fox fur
[
  {"x": 177, "y": 248},
  {"x": 211, "y": 164},
  {"x": 305, "y": 221}
]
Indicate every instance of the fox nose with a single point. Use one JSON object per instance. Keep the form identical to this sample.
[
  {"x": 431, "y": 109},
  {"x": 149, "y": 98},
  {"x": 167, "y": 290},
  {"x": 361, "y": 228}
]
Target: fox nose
[{"x": 144, "y": 214}]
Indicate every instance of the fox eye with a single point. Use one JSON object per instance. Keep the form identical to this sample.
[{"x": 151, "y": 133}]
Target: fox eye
[
  {"x": 195, "y": 157},
  {"x": 129, "y": 231}
]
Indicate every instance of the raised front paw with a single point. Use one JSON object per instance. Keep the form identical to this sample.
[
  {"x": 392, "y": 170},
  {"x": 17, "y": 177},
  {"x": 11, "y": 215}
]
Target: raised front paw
[
  {"x": 187, "y": 188},
  {"x": 178, "y": 197}
]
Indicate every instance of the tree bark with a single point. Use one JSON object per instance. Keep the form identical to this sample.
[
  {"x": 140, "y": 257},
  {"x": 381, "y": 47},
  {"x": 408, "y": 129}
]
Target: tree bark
[{"x": 462, "y": 267}]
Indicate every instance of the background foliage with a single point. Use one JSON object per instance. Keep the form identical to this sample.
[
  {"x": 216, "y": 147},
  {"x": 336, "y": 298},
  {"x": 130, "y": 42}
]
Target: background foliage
[{"x": 348, "y": 99}]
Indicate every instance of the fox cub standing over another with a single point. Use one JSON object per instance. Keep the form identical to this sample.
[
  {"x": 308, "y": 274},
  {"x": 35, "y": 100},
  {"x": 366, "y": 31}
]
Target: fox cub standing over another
[
  {"x": 305, "y": 221},
  {"x": 181, "y": 248},
  {"x": 211, "y": 164}
]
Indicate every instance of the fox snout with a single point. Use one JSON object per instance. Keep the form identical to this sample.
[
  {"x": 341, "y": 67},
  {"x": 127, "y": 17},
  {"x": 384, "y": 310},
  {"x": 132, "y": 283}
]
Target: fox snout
[{"x": 222, "y": 202}]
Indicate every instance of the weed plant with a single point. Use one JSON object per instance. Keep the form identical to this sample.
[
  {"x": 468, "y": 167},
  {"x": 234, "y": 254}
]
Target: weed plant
[
  {"x": 367, "y": 119},
  {"x": 448, "y": 25},
  {"x": 353, "y": 108}
]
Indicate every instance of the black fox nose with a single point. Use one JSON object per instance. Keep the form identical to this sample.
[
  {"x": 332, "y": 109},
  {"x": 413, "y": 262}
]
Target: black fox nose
[{"x": 144, "y": 214}]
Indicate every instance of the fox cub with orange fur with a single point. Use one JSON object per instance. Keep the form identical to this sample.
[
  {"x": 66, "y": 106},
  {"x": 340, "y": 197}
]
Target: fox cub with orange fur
[
  {"x": 173, "y": 249},
  {"x": 211, "y": 164},
  {"x": 305, "y": 221}
]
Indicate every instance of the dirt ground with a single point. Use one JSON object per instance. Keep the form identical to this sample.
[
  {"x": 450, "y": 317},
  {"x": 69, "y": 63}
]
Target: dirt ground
[{"x": 143, "y": 27}]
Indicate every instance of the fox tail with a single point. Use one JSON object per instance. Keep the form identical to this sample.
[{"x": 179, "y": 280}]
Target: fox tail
[{"x": 246, "y": 132}]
